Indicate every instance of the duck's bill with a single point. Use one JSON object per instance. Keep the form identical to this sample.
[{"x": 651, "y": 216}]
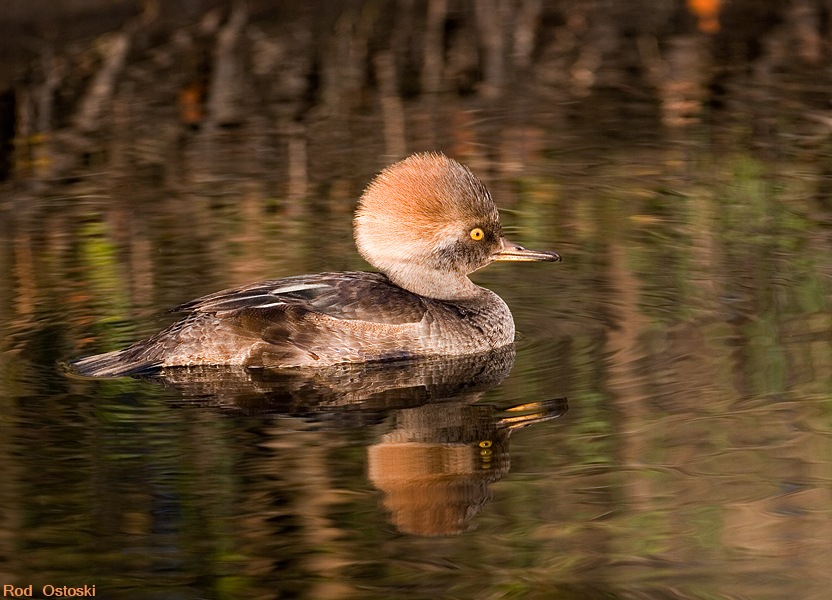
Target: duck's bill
[{"x": 512, "y": 251}]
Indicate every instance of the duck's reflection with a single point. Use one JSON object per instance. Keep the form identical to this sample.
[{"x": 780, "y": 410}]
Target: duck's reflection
[
  {"x": 436, "y": 463},
  {"x": 434, "y": 467}
]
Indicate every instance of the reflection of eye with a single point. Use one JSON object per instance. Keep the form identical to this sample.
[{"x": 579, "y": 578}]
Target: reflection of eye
[
  {"x": 477, "y": 233},
  {"x": 486, "y": 453}
]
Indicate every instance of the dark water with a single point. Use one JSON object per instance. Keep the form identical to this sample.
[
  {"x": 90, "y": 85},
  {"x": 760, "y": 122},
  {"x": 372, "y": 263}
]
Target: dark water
[
  {"x": 687, "y": 329},
  {"x": 660, "y": 431}
]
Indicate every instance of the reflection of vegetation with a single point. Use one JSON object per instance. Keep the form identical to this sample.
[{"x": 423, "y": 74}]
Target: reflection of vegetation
[
  {"x": 107, "y": 286},
  {"x": 726, "y": 307}
]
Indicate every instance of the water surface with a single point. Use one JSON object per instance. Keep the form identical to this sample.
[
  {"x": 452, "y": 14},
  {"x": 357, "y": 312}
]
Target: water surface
[{"x": 688, "y": 329}]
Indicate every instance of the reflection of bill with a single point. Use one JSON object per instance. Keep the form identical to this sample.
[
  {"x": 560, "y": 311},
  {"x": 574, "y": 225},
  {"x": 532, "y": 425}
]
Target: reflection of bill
[{"x": 435, "y": 466}]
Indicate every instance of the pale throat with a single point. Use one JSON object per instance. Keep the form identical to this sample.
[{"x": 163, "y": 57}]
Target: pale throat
[{"x": 442, "y": 285}]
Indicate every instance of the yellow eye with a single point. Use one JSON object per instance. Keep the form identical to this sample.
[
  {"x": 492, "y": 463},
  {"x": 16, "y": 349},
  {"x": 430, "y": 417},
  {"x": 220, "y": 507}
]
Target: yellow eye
[{"x": 477, "y": 233}]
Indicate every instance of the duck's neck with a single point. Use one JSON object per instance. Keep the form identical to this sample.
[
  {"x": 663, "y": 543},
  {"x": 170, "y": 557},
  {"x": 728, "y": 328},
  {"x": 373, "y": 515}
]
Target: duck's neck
[{"x": 435, "y": 284}]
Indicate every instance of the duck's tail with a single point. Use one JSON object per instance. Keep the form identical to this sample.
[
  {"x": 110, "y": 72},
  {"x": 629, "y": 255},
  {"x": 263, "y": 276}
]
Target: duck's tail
[{"x": 119, "y": 363}]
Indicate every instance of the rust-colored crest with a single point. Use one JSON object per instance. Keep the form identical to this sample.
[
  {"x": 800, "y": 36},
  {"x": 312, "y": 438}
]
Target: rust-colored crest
[{"x": 409, "y": 204}]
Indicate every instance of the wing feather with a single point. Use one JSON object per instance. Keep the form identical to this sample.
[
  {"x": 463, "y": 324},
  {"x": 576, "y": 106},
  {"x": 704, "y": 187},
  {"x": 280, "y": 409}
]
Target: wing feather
[{"x": 352, "y": 295}]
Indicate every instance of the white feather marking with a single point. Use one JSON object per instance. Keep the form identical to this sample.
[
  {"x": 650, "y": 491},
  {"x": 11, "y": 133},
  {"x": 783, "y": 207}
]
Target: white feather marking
[
  {"x": 270, "y": 304},
  {"x": 296, "y": 288}
]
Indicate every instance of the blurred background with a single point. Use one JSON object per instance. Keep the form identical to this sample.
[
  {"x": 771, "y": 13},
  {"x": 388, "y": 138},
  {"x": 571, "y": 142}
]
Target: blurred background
[{"x": 676, "y": 153}]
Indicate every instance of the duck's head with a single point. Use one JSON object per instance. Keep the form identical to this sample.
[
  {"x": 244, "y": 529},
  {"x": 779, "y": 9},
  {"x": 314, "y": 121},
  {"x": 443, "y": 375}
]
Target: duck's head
[{"x": 427, "y": 222}]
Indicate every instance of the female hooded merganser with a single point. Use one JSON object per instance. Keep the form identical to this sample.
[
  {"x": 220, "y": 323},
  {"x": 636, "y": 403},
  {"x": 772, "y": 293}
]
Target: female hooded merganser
[{"x": 426, "y": 222}]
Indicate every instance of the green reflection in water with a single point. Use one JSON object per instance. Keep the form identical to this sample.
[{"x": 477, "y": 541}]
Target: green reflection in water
[{"x": 688, "y": 327}]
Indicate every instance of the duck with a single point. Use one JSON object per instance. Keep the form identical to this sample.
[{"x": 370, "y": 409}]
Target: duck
[{"x": 425, "y": 222}]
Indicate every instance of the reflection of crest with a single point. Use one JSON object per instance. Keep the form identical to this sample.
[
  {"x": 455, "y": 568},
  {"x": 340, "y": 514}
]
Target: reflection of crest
[{"x": 434, "y": 467}]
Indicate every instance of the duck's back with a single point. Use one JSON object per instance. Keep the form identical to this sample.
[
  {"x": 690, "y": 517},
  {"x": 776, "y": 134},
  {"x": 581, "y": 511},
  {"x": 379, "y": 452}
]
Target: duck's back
[{"x": 313, "y": 320}]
